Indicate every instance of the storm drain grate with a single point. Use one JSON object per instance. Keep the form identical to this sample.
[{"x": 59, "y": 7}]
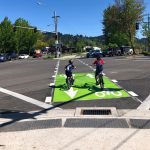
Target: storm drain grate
[{"x": 96, "y": 112}]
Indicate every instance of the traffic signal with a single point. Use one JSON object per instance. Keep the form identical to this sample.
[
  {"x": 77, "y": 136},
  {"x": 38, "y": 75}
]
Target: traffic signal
[
  {"x": 35, "y": 30},
  {"x": 14, "y": 29},
  {"x": 137, "y": 26}
]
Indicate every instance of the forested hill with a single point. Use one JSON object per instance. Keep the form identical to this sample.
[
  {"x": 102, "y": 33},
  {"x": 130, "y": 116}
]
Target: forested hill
[
  {"x": 79, "y": 41},
  {"x": 74, "y": 40}
]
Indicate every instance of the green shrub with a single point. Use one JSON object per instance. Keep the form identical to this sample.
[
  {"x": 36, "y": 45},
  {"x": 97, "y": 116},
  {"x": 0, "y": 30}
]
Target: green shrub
[
  {"x": 49, "y": 56},
  {"x": 146, "y": 53}
]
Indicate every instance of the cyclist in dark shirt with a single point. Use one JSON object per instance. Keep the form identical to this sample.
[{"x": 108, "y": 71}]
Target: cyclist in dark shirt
[
  {"x": 99, "y": 62},
  {"x": 68, "y": 69}
]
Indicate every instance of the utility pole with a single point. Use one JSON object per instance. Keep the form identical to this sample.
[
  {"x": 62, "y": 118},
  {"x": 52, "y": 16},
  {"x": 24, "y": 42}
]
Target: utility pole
[{"x": 58, "y": 49}]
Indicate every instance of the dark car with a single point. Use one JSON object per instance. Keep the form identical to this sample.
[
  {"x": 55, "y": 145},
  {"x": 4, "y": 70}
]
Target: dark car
[
  {"x": 90, "y": 53},
  {"x": 94, "y": 53},
  {"x": 112, "y": 52},
  {"x": 126, "y": 50},
  {"x": 12, "y": 55},
  {"x": 3, "y": 57}
]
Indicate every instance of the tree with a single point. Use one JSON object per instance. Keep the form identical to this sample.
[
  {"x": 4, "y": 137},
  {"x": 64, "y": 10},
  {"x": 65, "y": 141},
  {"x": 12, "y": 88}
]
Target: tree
[
  {"x": 6, "y": 36},
  {"x": 25, "y": 37},
  {"x": 40, "y": 44},
  {"x": 79, "y": 45},
  {"x": 132, "y": 12},
  {"x": 120, "y": 21}
]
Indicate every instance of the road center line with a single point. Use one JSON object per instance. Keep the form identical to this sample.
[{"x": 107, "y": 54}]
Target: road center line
[
  {"x": 25, "y": 98},
  {"x": 50, "y": 98}
]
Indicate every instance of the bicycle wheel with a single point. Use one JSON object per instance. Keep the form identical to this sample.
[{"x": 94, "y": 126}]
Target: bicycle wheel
[
  {"x": 97, "y": 80},
  {"x": 101, "y": 83},
  {"x": 69, "y": 83}
]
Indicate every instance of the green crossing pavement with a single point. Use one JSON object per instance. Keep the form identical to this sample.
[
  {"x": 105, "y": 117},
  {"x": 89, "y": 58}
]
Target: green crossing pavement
[{"x": 84, "y": 88}]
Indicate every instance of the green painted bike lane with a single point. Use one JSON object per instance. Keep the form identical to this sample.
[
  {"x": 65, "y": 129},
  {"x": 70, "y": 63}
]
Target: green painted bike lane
[{"x": 84, "y": 88}]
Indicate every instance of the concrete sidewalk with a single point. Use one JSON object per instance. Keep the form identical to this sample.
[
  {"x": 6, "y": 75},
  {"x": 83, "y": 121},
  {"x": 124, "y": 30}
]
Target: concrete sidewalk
[
  {"x": 76, "y": 139},
  {"x": 73, "y": 56}
]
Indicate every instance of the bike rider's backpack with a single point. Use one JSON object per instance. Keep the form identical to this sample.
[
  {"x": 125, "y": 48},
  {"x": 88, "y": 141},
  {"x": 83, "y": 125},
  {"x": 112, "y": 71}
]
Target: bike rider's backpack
[{"x": 69, "y": 67}]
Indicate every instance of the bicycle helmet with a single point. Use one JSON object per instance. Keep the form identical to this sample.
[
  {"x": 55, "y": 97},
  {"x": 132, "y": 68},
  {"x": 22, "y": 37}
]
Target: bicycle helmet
[
  {"x": 70, "y": 61},
  {"x": 98, "y": 57}
]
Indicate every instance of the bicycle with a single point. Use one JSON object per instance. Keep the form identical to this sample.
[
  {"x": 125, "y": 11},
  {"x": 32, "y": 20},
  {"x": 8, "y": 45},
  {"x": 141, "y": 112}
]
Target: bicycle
[
  {"x": 69, "y": 82},
  {"x": 100, "y": 81}
]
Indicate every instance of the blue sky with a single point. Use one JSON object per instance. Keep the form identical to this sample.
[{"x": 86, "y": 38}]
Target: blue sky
[{"x": 76, "y": 16}]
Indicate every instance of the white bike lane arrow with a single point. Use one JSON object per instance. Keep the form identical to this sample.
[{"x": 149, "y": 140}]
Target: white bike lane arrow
[
  {"x": 71, "y": 92},
  {"x": 90, "y": 75}
]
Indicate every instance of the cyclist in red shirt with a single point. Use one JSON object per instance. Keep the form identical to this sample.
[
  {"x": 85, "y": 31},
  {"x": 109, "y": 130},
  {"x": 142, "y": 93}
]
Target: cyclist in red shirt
[{"x": 99, "y": 62}]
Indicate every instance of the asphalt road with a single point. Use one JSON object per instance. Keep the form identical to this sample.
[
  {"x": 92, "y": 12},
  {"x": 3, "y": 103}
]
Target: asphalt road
[{"x": 31, "y": 78}]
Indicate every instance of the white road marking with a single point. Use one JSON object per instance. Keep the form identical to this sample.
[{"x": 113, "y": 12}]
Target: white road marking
[
  {"x": 115, "y": 81},
  {"x": 145, "y": 105},
  {"x": 48, "y": 100},
  {"x": 51, "y": 84},
  {"x": 132, "y": 93},
  {"x": 113, "y": 72},
  {"x": 63, "y": 75},
  {"x": 90, "y": 75},
  {"x": 57, "y": 66},
  {"x": 71, "y": 92},
  {"x": 25, "y": 98}
]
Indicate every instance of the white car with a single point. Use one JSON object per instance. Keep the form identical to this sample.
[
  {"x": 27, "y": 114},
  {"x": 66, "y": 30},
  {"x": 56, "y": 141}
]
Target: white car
[{"x": 23, "y": 56}]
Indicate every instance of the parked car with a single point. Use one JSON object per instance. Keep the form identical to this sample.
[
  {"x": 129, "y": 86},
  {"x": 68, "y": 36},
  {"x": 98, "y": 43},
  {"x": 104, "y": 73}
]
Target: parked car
[
  {"x": 23, "y": 56},
  {"x": 126, "y": 50},
  {"x": 37, "y": 55},
  {"x": 90, "y": 53},
  {"x": 94, "y": 53},
  {"x": 3, "y": 57},
  {"x": 112, "y": 52},
  {"x": 12, "y": 55}
]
